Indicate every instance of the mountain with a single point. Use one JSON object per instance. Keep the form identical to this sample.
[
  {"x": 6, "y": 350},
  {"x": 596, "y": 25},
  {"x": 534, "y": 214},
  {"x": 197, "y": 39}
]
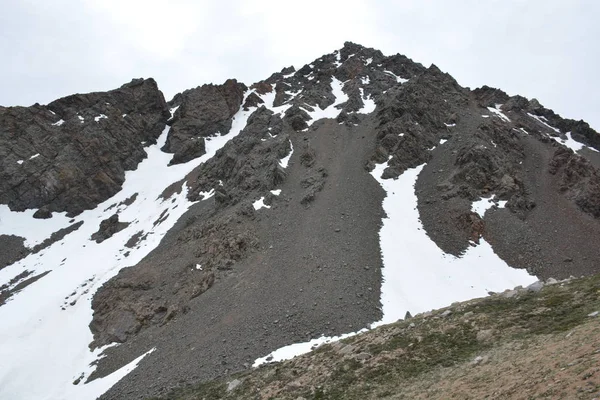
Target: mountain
[{"x": 146, "y": 245}]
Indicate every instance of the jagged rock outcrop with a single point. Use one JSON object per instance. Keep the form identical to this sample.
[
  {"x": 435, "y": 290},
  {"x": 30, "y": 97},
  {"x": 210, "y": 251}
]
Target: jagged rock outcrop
[
  {"x": 199, "y": 113},
  {"x": 73, "y": 153}
]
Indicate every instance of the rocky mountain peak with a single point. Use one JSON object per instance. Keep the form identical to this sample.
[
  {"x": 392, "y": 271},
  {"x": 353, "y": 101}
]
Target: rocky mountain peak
[{"x": 237, "y": 219}]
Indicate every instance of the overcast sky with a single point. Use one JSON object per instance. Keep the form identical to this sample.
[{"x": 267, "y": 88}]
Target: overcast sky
[{"x": 547, "y": 49}]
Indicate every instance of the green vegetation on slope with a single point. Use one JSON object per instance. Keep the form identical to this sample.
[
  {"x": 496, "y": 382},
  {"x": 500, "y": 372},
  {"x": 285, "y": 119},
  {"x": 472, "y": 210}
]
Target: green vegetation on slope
[{"x": 425, "y": 356}]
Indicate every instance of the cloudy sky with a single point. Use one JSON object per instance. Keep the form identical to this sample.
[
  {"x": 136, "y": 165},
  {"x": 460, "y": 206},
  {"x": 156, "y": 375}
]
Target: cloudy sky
[{"x": 546, "y": 49}]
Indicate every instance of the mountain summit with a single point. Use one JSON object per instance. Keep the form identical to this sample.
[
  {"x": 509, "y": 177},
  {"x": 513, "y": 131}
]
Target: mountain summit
[{"x": 147, "y": 244}]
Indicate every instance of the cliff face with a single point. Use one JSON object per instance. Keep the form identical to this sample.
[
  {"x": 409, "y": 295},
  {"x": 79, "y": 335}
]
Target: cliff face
[
  {"x": 73, "y": 153},
  {"x": 268, "y": 214}
]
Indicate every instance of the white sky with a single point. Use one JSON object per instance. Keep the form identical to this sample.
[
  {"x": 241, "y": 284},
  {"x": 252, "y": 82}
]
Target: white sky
[{"x": 537, "y": 48}]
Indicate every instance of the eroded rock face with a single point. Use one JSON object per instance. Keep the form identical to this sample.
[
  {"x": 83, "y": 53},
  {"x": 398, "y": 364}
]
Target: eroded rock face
[
  {"x": 73, "y": 153},
  {"x": 202, "y": 112}
]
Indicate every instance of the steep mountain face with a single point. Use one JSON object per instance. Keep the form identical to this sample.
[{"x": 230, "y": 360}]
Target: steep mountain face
[
  {"x": 73, "y": 153},
  {"x": 256, "y": 221}
]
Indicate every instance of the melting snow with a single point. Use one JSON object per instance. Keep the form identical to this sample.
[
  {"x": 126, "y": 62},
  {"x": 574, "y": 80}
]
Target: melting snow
[
  {"x": 368, "y": 103},
  {"x": 572, "y": 143},
  {"x": 285, "y": 160},
  {"x": 482, "y": 205},
  {"x": 417, "y": 275},
  {"x": 45, "y": 337},
  {"x": 260, "y": 203},
  {"x": 398, "y": 79},
  {"x": 542, "y": 120},
  {"x": 498, "y": 112},
  {"x": 171, "y": 110},
  {"x": 331, "y": 111}
]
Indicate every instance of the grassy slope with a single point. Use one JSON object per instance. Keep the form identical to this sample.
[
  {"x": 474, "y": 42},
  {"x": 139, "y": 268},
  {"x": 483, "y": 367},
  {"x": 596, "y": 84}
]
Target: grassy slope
[{"x": 531, "y": 345}]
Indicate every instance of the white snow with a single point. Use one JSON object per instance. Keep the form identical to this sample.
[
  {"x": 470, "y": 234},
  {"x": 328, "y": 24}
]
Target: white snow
[
  {"x": 498, "y": 112},
  {"x": 572, "y": 143},
  {"x": 417, "y": 275},
  {"x": 285, "y": 160},
  {"x": 365, "y": 80},
  {"x": 296, "y": 349},
  {"x": 99, "y": 117},
  {"x": 34, "y": 156},
  {"x": 542, "y": 120},
  {"x": 124, "y": 115},
  {"x": 442, "y": 141},
  {"x": 449, "y": 125},
  {"x": 427, "y": 279},
  {"x": 568, "y": 142},
  {"x": 45, "y": 337},
  {"x": 331, "y": 111},
  {"x": 482, "y": 205},
  {"x": 369, "y": 61},
  {"x": 524, "y": 131},
  {"x": 172, "y": 111},
  {"x": 59, "y": 122},
  {"x": 207, "y": 195},
  {"x": 260, "y": 203},
  {"x": 20, "y": 162},
  {"x": 199, "y": 267},
  {"x": 368, "y": 103},
  {"x": 276, "y": 192},
  {"x": 81, "y": 118},
  {"x": 398, "y": 79},
  {"x": 485, "y": 116}
]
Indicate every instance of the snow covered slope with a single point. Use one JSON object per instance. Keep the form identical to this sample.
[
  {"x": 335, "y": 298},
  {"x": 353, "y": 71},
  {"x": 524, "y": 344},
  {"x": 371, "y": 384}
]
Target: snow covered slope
[{"x": 44, "y": 331}]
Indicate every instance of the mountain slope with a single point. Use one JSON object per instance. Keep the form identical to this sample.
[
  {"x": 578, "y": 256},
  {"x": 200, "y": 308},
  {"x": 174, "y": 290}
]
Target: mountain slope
[
  {"x": 315, "y": 202},
  {"x": 520, "y": 344}
]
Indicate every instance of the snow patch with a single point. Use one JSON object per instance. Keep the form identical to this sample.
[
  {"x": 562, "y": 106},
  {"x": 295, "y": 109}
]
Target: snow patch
[
  {"x": 542, "y": 121},
  {"x": 99, "y": 117},
  {"x": 498, "y": 112},
  {"x": 260, "y": 203},
  {"x": 20, "y": 162},
  {"x": 482, "y": 205},
  {"x": 368, "y": 103},
  {"x": 34, "y": 156},
  {"x": 331, "y": 111},
  {"x": 442, "y": 141},
  {"x": 285, "y": 160},
  {"x": 59, "y": 122},
  {"x": 171, "y": 110},
  {"x": 276, "y": 192},
  {"x": 398, "y": 79}
]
